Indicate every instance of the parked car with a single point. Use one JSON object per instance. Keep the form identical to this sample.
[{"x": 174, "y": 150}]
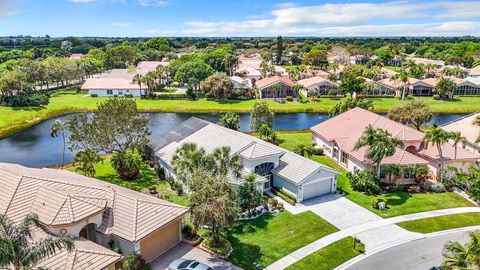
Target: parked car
[{"x": 183, "y": 264}]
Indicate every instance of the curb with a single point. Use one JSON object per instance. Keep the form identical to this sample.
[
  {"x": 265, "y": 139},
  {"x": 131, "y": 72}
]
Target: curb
[{"x": 358, "y": 258}]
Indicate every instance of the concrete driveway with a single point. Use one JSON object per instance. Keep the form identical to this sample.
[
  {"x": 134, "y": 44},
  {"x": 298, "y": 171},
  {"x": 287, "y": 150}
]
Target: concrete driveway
[
  {"x": 185, "y": 251},
  {"x": 343, "y": 214}
]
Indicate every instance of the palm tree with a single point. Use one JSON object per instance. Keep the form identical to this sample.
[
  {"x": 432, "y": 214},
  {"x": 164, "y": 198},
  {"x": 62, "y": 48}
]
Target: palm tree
[
  {"x": 17, "y": 247},
  {"x": 380, "y": 144},
  {"x": 437, "y": 137},
  {"x": 248, "y": 193},
  {"x": 226, "y": 163},
  {"x": 86, "y": 161},
  {"x": 60, "y": 127},
  {"x": 187, "y": 159},
  {"x": 401, "y": 76},
  {"x": 276, "y": 88},
  {"x": 456, "y": 137},
  {"x": 476, "y": 122},
  {"x": 304, "y": 150},
  {"x": 138, "y": 79},
  {"x": 457, "y": 256},
  {"x": 126, "y": 164},
  {"x": 265, "y": 131}
]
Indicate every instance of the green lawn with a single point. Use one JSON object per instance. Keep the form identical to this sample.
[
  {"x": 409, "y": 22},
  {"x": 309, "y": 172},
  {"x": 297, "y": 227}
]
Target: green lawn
[
  {"x": 105, "y": 172},
  {"x": 434, "y": 224},
  {"x": 399, "y": 203},
  {"x": 15, "y": 119},
  {"x": 271, "y": 237},
  {"x": 330, "y": 256}
]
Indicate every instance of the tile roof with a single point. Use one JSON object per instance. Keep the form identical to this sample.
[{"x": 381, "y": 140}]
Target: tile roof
[
  {"x": 146, "y": 66},
  {"x": 111, "y": 83},
  {"x": 248, "y": 71},
  {"x": 265, "y": 82},
  {"x": 213, "y": 136},
  {"x": 466, "y": 127},
  {"x": 475, "y": 71},
  {"x": 128, "y": 214},
  {"x": 313, "y": 81},
  {"x": 448, "y": 152}
]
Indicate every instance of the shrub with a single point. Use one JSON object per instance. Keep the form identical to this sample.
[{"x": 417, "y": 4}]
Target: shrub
[
  {"x": 318, "y": 151},
  {"x": 221, "y": 247},
  {"x": 273, "y": 202},
  {"x": 93, "y": 95},
  {"x": 437, "y": 187},
  {"x": 128, "y": 95},
  {"x": 436, "y": 97},
  {"x": 280, "y": 206},
  {"x": 191, "y": 95},
  {"x": 189, "y": 231},
  {"x": 332, "y": 92},
  {"x": 289, "y": 98},
  {"x": 126, "y": 164},
  {"x": 114, "y": 247},
  {"x": 135, "y": 261},
  {"x": 178, "y": 187},
  {"x": 285, "y": 195},
  {"x": 160, "y": 172},
  {"x": 172, "y": 96},
  {"x": 364, "y": 181},
  {"x": 25, "y": 99},
  {"x": 377, "y": 201}
]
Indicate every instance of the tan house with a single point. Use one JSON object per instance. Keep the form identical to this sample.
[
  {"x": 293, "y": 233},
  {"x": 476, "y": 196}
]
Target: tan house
[
  {"x": 267, "y": 89},
  {"x": 338, "y": 135},
  {"x": 470, "y": 131},
  {"x": 94, "y": 212},
  {"x": 317, "y": 84},
  {"x": 475, "y": 71}
]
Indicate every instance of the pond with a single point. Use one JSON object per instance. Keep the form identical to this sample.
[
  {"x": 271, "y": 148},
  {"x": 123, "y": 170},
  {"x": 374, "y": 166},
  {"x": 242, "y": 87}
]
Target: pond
[{"x": 35, "y": 148}]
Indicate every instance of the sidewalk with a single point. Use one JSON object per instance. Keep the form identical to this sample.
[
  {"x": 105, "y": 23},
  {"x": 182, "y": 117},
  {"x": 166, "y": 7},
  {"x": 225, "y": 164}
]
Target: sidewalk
[{"x": 352, "y": 231}]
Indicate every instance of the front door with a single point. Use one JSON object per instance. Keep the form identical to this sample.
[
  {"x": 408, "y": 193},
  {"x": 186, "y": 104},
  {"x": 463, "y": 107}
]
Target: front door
[{"x": 269, "y": 184}]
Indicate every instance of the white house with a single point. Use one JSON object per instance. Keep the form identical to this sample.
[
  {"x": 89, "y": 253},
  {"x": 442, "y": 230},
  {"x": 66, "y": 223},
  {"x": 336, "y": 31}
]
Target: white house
[
  {"x": 111, "y": 87},
  {"x": 275, "y": 166}
]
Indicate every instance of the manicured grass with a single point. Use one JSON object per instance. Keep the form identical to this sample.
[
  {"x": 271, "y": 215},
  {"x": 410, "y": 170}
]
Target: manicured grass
[
  {"x": 270, "y": 237},
  {"x": 398, "y": 203},
  {"x": 147, "y": 177},
  {"x": 434, "y": 224},
  {"x": 330, "y": 256},
  {"x": 15, "y": 119}
]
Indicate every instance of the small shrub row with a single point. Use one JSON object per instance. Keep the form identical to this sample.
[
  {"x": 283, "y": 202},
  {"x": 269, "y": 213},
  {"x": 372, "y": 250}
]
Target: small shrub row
[
  {"x": 93, "y": 95},
  {"x": 285, "y": 195}
]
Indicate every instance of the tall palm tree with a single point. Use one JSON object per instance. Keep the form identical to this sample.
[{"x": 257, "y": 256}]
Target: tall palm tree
[
  {"x": 248, "y": 193},
  {"x": 380, "y": 144},
  {"x": 304, "y": 150},
  {"x": 401, "y": 77},
  {"x": 456, "y": 137},
  {"x": 437, "y": 137},
  {"x": 226, "y": 163},
  {"x": 60, "y": 127},
  {"x": 138, "y": 79},
  {"x": 187, "y": 159},
  {"x": 457, "y": 256},
  {"x": 476, "y": 122},
  {"x": 17, "y": 247}
]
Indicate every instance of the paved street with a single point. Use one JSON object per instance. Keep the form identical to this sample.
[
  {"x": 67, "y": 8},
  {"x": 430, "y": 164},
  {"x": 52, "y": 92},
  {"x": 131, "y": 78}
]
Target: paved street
[{"x": 421, "y": 254}]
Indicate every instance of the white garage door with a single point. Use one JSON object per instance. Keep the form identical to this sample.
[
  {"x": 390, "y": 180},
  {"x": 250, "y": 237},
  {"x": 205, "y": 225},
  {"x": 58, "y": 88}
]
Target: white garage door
[{"x": 317, "y": 188}]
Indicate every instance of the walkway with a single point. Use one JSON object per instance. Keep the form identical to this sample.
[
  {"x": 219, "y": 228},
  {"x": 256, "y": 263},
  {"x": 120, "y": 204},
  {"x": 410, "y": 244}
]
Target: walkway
[{"x": 361, "y": 228}]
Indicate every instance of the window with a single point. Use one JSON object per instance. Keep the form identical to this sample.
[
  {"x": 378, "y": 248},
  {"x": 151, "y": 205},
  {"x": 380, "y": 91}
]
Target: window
[
  {"x": 344, "y": 158},
  {"x": 109, "y": 92}
]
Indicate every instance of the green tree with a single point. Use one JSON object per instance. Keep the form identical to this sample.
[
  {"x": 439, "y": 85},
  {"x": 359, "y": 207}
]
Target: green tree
[
  {"x": 414, "y": 112},
  {"x": 265, "y": 131},
  {"x": 188, "y": 158},
  {"x": 158, "y": 43},
  {"x": 445, "y": 87},
  {"x": 456, "y": 256},
  {"x": 218, "y": 86},
  {"x": 138, "y": 79},
  {"x": 230, "y": 120},
  {"x": 121, "y": 56},
  {"x": 115, "y": 126},
  {"x": 85, "y": 161},
  {"x": 126, "y": 164},
  {"x": 212, "y": 202},
  {"x": 436, "y": 136},
  {"x": 304, "y": 149},
  {"x": 457, "y": 137},
  {"x": 193, "y": 72},
  {"x": 60, "y": 127},
  {"x": 261, "y": 114},
  {"x": 317, "y": 58},
  {"x": 248, "y": 193},
  {"x": 225, "y": 162},
  {"x": 279, "y": 50},
  {"x": 380, "y": 144},
  {"x": 352, "y": 83},
  {"x": 20, "y": 250},
  {"x": 401, "y": 77},
  {"x": 349, "y": 103}
]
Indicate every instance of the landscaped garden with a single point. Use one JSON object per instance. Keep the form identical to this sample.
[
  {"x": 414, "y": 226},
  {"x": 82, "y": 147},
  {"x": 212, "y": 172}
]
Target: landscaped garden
[
  {"x": 270, "y": 237},
  {"x": 15, "y": 119},
  {"x": 330, "y": 256},
  {"x": 399, "y": 203},
  {"x": 433, "y": 224}
]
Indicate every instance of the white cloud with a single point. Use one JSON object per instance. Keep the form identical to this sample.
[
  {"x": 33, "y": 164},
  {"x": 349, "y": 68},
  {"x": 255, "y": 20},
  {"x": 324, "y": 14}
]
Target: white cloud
[
  {"x": 122, "y": 24},
  {"x": 351, "y": 19},
  {"x": 147, "y": 3}
]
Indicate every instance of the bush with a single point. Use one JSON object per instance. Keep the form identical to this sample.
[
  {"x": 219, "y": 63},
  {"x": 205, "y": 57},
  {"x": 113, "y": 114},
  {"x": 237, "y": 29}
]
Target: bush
[
  {"x": 280, "y": 206},
  {"x": 332, "y": 92},
  {"x": 285, "y": 195},
  {"x": 318, "y": 151},
  {"x": 160, "y": 172},
  {"x": 273, "y": 202},
  {"x": 93, "y": 95},
  {"x": 171, "y": 96},
  {"x": 222, "y": 247},
  {"x": 178, "y": 187},
  {"x": 190, "y": 232},
  {"x": 377, "y": 201},
  {"x": 135, "y": 261},
  {"x": 364, "y": 181},
  {"x": 436, "y": 97},
  {"x": 128, "y": 95},
  {"x": 26, "y": 99},
  {"x": 437, "y": 187},
  {"x": 289, "y": 98},
  {"x": 191, "y": 95}
]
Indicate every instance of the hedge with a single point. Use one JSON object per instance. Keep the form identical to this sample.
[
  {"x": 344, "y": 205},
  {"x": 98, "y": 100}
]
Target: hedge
[{"x": 285, "y": 195}]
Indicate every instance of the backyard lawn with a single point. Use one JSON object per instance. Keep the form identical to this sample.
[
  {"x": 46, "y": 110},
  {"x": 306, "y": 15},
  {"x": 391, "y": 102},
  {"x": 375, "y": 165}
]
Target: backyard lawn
[
  {"x": 399, "y": 203},
  {"x": 434, "y": 224},
  {"x": 270, "y": 237},
  {"x": 105, "y": 172},
  {"x": 15, "y": 119},
  {"x": 330, "y": 256}
]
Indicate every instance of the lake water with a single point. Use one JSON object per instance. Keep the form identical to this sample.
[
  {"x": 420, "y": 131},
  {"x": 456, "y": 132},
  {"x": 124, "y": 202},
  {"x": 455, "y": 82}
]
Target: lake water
[{"x": 35, "y": 148}]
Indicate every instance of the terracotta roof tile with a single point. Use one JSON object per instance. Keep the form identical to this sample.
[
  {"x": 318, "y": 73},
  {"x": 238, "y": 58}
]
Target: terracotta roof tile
[{"x": 272, "y": 80}]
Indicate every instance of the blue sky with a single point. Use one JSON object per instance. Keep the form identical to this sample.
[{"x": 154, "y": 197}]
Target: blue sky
[{"x": 135, "y": 18}]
